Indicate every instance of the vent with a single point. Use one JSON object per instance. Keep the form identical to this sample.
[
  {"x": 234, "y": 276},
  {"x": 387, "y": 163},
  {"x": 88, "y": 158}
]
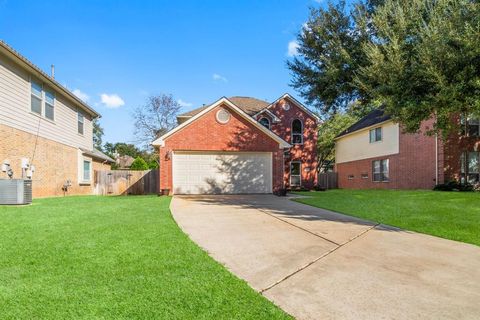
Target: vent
[
  {"x": 15, "y": 191},
  {"x": 223, "y": 116}
]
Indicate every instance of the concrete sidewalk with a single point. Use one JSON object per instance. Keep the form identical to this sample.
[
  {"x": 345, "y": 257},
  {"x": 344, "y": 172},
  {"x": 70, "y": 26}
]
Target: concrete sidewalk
[{"x": 318, "y": 264}]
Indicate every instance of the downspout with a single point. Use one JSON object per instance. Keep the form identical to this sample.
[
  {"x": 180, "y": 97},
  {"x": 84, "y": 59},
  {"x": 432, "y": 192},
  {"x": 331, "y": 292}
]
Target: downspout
[{"x": 436, "y": 159}]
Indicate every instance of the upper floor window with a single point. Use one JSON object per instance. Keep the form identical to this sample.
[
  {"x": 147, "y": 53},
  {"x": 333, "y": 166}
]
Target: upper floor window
[
  {"x": 380, "y": 170},
  {"x": 36, "y": 98},
  {"x": 49, "y": 105},
  {"x": 42, "y": 101},
  {"x": 265, "y": 122},
  {"x": 297, "y": 132},
  {"x": 471, "y": 126},
  {"x": 80, "y": 122},
  {"x": 375, "y": 135}
]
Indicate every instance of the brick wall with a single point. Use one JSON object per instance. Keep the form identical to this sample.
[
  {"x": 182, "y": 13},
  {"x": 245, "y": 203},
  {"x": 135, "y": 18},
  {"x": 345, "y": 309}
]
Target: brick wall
[
  {"x": 306, "y": 153},
  {"x": 454, "y": 146},
  {"x": 206, "y": 134},
  {"x": 412, "y": 168},
  {"x": 55, "y": 163}
]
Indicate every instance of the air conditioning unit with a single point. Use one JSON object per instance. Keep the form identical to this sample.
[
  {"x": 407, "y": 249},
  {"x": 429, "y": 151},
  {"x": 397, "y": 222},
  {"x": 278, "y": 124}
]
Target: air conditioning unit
[{"x": 15, "y": 191}]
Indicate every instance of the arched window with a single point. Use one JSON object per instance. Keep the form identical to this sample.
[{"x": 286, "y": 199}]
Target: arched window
[
  {"x": 297, "y": 132},
  {"x": 265, "y": 122}
]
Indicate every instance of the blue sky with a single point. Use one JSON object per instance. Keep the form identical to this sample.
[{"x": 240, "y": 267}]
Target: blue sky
[{"x": 116, "y": 53}]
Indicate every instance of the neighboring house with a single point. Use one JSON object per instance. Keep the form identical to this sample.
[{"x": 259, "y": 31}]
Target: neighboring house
[
  {"x": 240, "y": 145},
  {"x": 124, "y": 162},
  {"x": 375, "y": 153},
  {"x": 47, "y": 127}
]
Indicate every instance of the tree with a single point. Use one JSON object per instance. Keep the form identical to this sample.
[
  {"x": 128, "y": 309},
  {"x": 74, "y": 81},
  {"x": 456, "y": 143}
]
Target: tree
[
  {"x": 424, "y": 61},
  {"x": 155, "y": 118},
  {"x": 330, "y": 53},
  {"x": 139, "y": 164},
  {"x": 97, "y": 135},
  {"x": 327, "y": 132}
]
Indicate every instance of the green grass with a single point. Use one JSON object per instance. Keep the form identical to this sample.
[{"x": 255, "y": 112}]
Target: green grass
[
  {"x": 113, "y": 257},
  {"x": 450, "y": 215}
]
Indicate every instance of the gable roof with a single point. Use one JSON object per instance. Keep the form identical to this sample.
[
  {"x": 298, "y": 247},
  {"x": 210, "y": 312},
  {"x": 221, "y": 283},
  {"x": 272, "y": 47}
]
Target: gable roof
[
  {"x": 282, "y": 143},
  {"x": 97, "y": 154},
  {"x": 248, "y": 104},
  {"x": 297, "y": 103},
  {"x": 374, "y": 117},
  {"x": 25, "y": 63}
]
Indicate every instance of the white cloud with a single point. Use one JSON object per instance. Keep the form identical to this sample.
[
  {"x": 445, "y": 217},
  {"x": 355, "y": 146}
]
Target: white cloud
[
  {"x": 218, "y": 77},
  {"x": 184, "y": 103},
  {"x": 111, "y": 100},
  {"x": 81, "y": 95},
  {"x": 292, "y": 48}
]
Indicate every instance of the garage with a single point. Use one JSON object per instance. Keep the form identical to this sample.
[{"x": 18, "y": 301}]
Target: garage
[{"x": 221, "y": 172}]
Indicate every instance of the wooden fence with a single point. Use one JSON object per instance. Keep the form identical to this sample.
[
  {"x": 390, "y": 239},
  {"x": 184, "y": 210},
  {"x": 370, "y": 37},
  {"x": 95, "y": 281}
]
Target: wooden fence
[
  {"x": 328, "y": 180},
  {"x": 123, "y": 182}
]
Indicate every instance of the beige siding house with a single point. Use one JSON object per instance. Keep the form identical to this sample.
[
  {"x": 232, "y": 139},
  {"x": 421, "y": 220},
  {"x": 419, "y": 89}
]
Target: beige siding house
[{"x": 43, "y": 123}]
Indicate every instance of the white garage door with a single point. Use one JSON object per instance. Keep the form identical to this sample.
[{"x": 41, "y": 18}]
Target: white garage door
[{"x": 222, "y": 172}]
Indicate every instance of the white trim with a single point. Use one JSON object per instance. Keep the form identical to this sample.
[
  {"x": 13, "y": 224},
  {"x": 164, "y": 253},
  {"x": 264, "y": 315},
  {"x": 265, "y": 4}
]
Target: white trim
[
  {"x": 269, "y": 124},
  {"x": 300, "y": 174},
  {"x": 291, "y": 132},
  {"x": 297, "y": 103},
  {"x": 273, "y": 116},
  {"x": 282, "y": 143}
]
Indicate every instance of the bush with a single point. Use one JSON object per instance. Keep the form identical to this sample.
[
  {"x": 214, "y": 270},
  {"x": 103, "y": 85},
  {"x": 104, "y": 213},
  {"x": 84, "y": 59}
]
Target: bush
[
  {"x": 139, "y": 164},
  {"x": 454, "y": 186}
]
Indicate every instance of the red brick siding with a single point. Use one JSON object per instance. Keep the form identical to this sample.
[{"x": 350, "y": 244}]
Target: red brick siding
[
  {"x": 307, "y": 152},
  {"x": 412, "y": 168},
  {"x": 206, "y": 134}
]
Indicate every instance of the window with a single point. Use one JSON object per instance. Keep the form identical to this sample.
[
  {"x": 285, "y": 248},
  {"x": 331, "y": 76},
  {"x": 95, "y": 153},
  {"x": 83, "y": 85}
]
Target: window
[
  {"x": 49, "y": 105},
  {"x": 380, "y": 170},
  {"x": 80, "y": 122},
  {"x": 376, "y": 135},
  {"x": 86, "y": 170},
  {"x": 469, "y": 167},
  {"x": 36, "y": 98},
  {"x": 297, "y": 132},
  {"x": 295, "y": 176},
  {"x": 471, "y": 127},
  {"x": 265, "y": 122}
]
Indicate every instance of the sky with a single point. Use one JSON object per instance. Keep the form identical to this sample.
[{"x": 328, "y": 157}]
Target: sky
[{"x": 114, "y": 54}]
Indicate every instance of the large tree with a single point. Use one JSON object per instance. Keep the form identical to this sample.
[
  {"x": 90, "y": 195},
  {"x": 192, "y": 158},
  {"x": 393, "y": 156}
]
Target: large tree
[
  {"x": 97, "y": 135},
  {"x": 330, "y": 53},
  {"x": 424, "y": 61},
  {"x": 155, "y": 118},
  {"x": 327, "y": 132}
]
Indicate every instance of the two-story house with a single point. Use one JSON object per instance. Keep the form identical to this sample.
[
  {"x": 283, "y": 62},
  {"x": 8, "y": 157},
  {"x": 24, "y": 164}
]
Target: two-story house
[
  {"x": 375, "y": 153},
  {"x": 240, "y": 145},
  {"x": 45, "y": 130}
]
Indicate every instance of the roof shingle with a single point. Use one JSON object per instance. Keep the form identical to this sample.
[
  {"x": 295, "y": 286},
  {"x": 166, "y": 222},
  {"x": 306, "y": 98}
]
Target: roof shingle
[
  {"x": 248, "y": 104},
  {"x": 374, "y": 117}
]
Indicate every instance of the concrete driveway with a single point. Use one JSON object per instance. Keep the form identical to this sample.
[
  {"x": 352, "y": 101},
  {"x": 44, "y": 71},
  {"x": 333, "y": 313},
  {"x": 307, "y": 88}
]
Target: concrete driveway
[{"x": 317, "y": 264}]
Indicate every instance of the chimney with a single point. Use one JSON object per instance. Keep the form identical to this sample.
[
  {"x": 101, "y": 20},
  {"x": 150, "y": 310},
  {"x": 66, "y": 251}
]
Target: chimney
[{"x": 52, "y": 73}]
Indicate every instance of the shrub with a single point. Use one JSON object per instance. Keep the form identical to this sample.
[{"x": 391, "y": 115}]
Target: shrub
[
  {"x": 139, "y": 164},
  {"x": 454, "y": 186}
]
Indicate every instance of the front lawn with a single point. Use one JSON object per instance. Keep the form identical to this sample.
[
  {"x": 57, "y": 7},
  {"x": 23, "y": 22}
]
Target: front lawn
[
  {"x": 450, "y": 215},
  {"x": 113, "y": 257}
]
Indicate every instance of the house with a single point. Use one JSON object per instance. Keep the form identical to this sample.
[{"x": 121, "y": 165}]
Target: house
[
  {"x": 45, "y": 130},
  {"x": 375, "y": 153},
  {"x": 240, "y": 145}
]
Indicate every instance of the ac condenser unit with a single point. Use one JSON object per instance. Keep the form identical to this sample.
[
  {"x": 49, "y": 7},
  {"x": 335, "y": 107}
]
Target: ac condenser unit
[{"x": 15, "y": 191}]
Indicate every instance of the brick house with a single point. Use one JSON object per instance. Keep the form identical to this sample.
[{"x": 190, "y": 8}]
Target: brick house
[
  {"x": 240, "y": 145},
  {"x": 374, "y": 153},
  {"x": 47, "y": 126}
]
